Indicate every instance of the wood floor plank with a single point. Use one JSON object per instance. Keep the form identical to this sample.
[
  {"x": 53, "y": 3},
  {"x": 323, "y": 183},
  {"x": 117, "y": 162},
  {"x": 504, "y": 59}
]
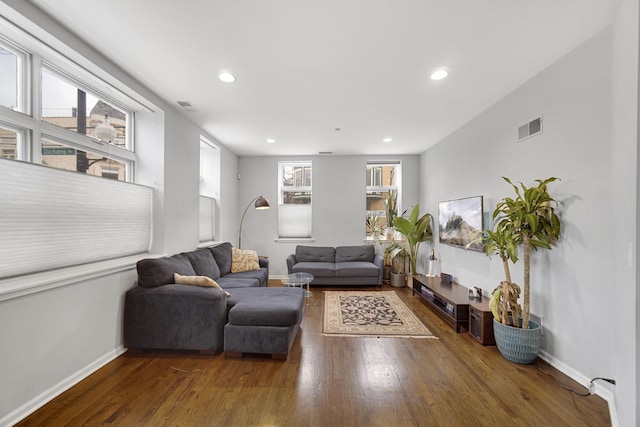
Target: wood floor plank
[{"x": 328, "y": 381}]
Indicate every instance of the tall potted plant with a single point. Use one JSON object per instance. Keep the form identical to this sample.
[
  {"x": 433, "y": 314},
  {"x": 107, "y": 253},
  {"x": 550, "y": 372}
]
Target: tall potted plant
[
  {"x": 503, "y": 243},
  {"x": 416, "y": 230},
  {"x": 396, "y": 253},
  {"x": 529, "y": 220}
]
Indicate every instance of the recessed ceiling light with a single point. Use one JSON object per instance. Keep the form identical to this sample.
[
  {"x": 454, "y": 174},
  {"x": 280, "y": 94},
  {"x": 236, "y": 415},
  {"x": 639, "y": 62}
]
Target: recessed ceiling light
[
  {"x": 227, "y": 77},
  {"x": 439, "y": 74},
  {"x": 387, "y": 140},
  {"x": 271, "y": 140}
]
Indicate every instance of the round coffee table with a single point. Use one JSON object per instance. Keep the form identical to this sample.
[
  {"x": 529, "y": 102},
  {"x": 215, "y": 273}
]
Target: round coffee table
[{"x": 299, "y": 279}]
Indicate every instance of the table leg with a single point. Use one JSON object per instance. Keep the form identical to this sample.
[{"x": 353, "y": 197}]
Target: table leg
[{"x": 308, "y": 292}]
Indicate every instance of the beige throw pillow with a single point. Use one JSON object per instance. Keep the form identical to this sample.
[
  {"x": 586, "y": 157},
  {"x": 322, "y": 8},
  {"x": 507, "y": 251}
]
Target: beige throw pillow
[
  {"x": 244, "y": 260},
  {"x": 197, "y": 281}
]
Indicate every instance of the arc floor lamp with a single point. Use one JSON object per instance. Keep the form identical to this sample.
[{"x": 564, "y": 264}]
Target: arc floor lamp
[{"x": 260, "y": 204}]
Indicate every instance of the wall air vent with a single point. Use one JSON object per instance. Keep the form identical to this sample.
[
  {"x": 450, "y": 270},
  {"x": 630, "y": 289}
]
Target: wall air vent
[
  {"x": 530, "y": 129},
  {"x": 325, "y": 152}
]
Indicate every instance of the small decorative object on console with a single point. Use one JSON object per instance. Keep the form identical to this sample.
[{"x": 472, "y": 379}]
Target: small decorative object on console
[
  {"x": 446, "y": 279},
  {"x": 475, "y": 292},
  {"x": 432, "y": 264}
]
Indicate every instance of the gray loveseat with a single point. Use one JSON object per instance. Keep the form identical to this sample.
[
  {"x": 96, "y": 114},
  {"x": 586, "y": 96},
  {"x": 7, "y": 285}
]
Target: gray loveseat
[
  {"x": 343, "y": 265},
  {"x": 160, "y": 314}
]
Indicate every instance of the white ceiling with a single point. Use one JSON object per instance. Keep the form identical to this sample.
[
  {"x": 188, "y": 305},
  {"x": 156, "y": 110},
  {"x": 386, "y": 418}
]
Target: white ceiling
[{"x": 305, "y": 68}]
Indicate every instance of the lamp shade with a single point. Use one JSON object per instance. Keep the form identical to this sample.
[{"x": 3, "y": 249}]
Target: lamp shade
[{"x": 262, "y": 203}]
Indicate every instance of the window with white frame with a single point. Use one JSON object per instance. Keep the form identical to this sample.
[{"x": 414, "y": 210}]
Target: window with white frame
[
  {"x": 13, "y": 76},
  {"x": 209, "y": 188},
  {"x": 294, "y": 199},
  {"x": 70, "y": 125},
  {"x": 51, "y": 114},
  {"x": 383, "y": 193}
]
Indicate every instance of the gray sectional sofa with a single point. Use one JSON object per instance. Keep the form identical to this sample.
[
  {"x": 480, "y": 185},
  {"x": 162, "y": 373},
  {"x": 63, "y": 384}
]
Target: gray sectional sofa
[
  {"x": 160, "y": 314},
  {"x": 342, "y": 265}
]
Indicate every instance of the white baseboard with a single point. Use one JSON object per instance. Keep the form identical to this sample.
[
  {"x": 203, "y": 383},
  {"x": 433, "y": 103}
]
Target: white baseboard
[
  {"x": 45, "y": 397},
  {"x": 580, "y": 378}
]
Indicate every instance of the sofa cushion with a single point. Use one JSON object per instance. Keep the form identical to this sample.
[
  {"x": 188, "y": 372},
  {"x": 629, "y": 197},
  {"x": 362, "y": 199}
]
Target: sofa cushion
[
  {"x": 262, "y": 275},
  {"x": 317, "y": 269},
  {"x": 197, "y": 281},
  {"x": 315, "y": 254},
  {"x": 231, "y": 282},
  {"x": 222, "y": 254},
  {"x": 153, "y": 272},
  {"x": 244, "y": 260},
  {"x": 364, "y": 253},
  {"x": 356, "y": 268},
  {"x": 203, "y": 263},
  {"x": 269, "y": 307}
]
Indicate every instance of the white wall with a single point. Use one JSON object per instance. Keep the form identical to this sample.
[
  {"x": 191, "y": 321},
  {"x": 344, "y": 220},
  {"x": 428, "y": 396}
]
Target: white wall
[
  {"x": 52, "y": 339},
  {"x": 571, "y": 286},
  {"x": 622, "y": 285},
  {"x": 338, "y": 202}
]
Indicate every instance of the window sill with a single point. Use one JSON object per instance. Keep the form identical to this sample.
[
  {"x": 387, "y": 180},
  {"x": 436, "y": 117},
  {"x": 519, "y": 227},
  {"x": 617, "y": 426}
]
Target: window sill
[
  {"x": 295, "y": 240},
  {"x": 15, "y": 287},
  {"x": 381, "y": 239},
  {"x": 208, "y": 244}
]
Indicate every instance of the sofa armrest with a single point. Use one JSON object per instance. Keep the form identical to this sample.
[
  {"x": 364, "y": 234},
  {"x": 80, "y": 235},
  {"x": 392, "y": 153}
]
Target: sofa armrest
[
  {"x": 378, "y": 260},
  {"x": 174, "y": 316},
  {"x": 263, "y": 261},
  {"x": 291, "y": 261}
]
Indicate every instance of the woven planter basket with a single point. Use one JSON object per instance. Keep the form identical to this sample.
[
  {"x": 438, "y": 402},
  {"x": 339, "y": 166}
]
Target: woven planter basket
[{"x": 516, "y": 344}]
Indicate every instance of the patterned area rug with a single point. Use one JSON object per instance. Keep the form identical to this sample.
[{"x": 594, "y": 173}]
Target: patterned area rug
[{"x": 363, "y": 313}]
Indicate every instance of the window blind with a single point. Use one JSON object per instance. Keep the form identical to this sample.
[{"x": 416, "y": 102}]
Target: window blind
[
  {"x": 294, "y": 221},
  {"x": 50, "y": 218},
  {"x": 207, "y": 219}
]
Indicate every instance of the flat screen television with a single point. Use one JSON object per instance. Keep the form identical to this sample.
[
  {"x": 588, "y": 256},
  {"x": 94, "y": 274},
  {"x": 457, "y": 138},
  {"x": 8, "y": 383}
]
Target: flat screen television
[{"x": 458, "y": 219}]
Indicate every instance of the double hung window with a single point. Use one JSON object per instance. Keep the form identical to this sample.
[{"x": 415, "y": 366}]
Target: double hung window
[
  {"x": 294, "y": 199},
  {"x": 52, "y": 115},
  {"x": 209, "y": 189},
  {"x": 382, "y": 195}
]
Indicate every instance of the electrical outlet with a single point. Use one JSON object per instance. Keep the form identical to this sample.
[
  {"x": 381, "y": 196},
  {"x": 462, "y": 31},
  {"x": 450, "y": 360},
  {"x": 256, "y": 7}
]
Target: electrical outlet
[{"x": 592, "y": 388}]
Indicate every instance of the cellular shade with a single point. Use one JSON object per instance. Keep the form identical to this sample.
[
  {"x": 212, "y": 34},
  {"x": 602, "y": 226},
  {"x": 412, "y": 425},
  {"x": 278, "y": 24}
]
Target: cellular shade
[
  {"x": 294, "y": 221},
  {"x": 207, "y": 219},
  {"x": 50, "y": 218}
]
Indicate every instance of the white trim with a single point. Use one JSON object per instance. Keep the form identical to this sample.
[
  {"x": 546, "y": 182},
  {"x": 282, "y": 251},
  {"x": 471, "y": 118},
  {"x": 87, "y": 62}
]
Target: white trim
[
  {"x": 32, "y": 283},
  {"x": 601, "y": 391},
  {"x": 209, "y": 244},
  {"x": 294, "y": 240},
  {"x": 46, "y": 396}
]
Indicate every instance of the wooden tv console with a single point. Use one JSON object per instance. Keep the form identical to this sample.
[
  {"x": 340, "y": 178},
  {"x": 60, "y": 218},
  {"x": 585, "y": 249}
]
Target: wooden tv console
[{"x": 450, "y": 301}]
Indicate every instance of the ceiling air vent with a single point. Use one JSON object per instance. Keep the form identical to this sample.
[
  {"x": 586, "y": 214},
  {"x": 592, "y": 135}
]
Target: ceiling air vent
[
  {"x": 530, "y": 129},
  {"x": 186, "y": 105},
  {"x": 325, "y": 152}
]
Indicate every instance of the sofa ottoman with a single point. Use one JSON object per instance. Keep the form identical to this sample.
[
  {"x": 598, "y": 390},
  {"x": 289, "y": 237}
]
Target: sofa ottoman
[{"x": 263, "y": 320}]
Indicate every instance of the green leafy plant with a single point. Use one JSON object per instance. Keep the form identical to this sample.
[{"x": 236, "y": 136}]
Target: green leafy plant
[
  {"x": 416, "y": 230},
  {"x": 503, "y": 243},
  {"x": 396, "y": 253},
  {"x": 391, "y": 207},
  {"x": 373, "y": 223},
  {"x": 528, "y": 219}
]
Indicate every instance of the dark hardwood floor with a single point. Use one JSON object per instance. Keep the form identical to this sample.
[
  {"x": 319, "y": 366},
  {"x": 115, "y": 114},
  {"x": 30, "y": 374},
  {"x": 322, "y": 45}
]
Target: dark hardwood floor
[{"x": 329, "y": 381}]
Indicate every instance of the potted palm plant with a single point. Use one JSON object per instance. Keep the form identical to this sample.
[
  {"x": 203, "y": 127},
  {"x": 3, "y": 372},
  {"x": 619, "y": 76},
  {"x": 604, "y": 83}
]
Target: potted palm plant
[
  {"x": 416, "y": 230},
  {"x": 397, "y": 255},
  {"x": 528, "y": 220}
]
